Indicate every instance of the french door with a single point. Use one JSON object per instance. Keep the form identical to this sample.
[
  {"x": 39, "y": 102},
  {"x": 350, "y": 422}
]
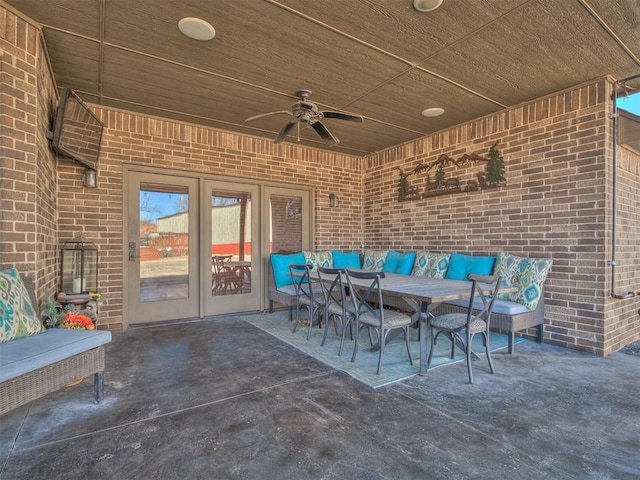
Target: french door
[
  {"x": 161, "y": 248},
  {"x": 232, "y": 261},
  {"x": 198, "y": 246}
]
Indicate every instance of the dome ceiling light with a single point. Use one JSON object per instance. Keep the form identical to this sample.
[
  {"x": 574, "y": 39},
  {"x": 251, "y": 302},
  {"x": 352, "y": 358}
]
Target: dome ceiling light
[
  {"x": 196, "y": 28},
  {"x": 432, "y": 112},
  {"x": 426, "y": 5}
]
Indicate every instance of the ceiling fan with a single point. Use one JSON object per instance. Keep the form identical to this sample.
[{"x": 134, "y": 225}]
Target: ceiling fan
[{"x": 307, "y": 113}]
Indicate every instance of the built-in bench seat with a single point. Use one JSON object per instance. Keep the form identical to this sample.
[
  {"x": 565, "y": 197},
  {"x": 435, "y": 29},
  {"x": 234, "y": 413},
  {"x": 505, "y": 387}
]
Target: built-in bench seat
[
  {"x": 516, "y": 312},
  {"x": 38, "y": 364}
]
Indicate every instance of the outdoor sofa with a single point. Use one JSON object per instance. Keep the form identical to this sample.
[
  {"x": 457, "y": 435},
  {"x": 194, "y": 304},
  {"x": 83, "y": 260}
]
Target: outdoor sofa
[
  {"x": 39, "y": 361},
  {"x": 513, "y": 312}
]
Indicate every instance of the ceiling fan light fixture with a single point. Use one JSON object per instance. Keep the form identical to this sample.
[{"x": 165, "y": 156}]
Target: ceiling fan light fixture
[
  {"x": 196, "y": 28},
  {"x": 432, "y": 112},
  {"x": 426, "y": 5}
]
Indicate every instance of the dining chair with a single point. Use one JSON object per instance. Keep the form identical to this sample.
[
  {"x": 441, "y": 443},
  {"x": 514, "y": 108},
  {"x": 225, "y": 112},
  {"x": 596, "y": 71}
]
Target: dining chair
[
  {"x": 225, "y": 279},
  {"x": 371, "y": 314},
  {"x": 337, "y": 306},
  {"x": 307, "y": 299},
  {"x": 461, "y": 327}
]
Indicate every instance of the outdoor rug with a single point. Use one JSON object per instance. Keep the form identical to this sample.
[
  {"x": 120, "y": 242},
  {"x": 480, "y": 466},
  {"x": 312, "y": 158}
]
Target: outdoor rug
[{"x": 395, "y": 362}]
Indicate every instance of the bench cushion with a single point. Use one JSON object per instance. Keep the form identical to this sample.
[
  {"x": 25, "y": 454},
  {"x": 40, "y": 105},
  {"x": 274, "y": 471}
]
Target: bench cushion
[
  {"x": 24, "y": 355},
  {"x": 288, "y": 290},
  {"x": 18, "y": 317},
  {"x": 505, "y": 307}
]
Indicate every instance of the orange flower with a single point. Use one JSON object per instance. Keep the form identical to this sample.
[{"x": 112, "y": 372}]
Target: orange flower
[{"x": 73, "y": 321}]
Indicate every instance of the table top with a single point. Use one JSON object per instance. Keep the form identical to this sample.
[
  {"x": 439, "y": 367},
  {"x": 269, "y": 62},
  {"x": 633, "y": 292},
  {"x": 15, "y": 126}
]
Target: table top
[{"x": 425, "y": 289}]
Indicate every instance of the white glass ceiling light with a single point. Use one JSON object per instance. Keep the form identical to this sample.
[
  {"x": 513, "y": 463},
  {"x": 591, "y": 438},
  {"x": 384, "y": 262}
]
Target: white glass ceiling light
[
  {"x": 432, "y": 112},
  {"x": 196, "y": 28},
  {"x": 426, "y": 5}
]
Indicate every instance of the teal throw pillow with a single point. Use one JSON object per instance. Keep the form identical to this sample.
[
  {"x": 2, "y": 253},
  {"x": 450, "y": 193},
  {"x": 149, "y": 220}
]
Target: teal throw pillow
[
  {"x": 528, "y": 274},
  {"x": 457, "y": 267},
  {"x": 280, "y": 265},
  {"x": 17, "y": 316},
  {"x": 374, "y": 260},
  {"x": 346, "y": 260},
  {"x": 318, "y": 259},
  {"x": 400, "y": 263},
  {"x": 431, "y": 264},
  {"x": 479, "y": 265}
]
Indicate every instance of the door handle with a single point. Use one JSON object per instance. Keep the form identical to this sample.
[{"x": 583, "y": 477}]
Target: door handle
[{"x": 132, "y": 251}]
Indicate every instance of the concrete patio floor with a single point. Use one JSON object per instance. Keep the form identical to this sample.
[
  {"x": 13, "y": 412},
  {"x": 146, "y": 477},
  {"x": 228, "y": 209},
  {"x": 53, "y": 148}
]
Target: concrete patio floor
[{"x": 220, "y": 399}]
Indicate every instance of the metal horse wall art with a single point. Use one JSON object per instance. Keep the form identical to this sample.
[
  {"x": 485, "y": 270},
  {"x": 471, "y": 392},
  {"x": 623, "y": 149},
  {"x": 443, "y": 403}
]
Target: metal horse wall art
[{"x": 491, "y": 177}]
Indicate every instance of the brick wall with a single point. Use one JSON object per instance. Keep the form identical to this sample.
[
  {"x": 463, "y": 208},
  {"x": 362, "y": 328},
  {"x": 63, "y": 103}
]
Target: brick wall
[
  {"x": 131, "y": 139},
  {"x": 27, "y": 172},
  {"x": 555, "y": 204}
]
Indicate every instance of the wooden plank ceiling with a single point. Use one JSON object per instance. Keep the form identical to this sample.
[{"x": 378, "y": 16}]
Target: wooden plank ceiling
[{"x": 381, "y": 59}]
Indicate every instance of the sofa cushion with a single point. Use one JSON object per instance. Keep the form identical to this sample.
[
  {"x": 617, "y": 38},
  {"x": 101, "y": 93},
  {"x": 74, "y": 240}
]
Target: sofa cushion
[
  {"x": 529, "y": 274},
  {"x": 400, "y": 263},
  {"x": 346, "y": 260},
  {"x": 288, "y": 289},
  {"x": 431, "y": 264},
  {"x": 18, "y": 318},
  {"x": 374, "y": 260},
  {"x": 461, "y": 266},
  {"x": 25, "y": 355},
  {"x": 318, "y": 259},
  {"x": 280, "y": 265}
]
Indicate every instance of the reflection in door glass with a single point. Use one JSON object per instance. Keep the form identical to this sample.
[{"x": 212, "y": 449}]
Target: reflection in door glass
[
  {"x": 286, "y": 224},
  {"x": 230, "y": 242},
  {"x": 164, "y": 242}
]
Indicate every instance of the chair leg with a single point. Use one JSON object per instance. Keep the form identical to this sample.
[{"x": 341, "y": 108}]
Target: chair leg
[
  {"x": 326, "y": 327},
  {"x": 488, "y": 347},
  {"x": 433, "y": 343},
  {"x": 512, "y": 341},
  {"x": 468, "y": 352},
  {"x": 355, "y": 346},
  {"x": 406, "y": 338},
  {"x": 381, "y": 340},
  {"x": 271, "y": 307}
]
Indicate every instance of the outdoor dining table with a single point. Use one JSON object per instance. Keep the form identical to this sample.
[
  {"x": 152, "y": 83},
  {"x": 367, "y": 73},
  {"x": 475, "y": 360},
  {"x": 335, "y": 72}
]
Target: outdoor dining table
[{"x": 428, "y": 293}]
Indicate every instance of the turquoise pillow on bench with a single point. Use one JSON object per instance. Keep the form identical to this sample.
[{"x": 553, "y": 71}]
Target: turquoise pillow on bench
[
  {"x": 346, "y": 260},
  {"x": 461, "y": 266},
  {"x": 280, "y": 265},
  {"x": 400, "y": 263}
]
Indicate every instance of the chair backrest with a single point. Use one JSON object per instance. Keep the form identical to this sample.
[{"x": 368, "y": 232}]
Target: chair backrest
[
  {"x": 366, "y": 297},
  {"x": 301, "y": 276},
  {"x": 218, "y": 262},
  {"x": 332, "y": 285},
  {"x": 486, "y": 288}
]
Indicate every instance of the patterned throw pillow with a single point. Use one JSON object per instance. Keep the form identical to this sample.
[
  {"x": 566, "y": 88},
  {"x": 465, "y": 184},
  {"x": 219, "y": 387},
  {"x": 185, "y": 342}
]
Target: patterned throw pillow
[
  {"x": 431, "y": 264},
  {"x": 527, "y": 273},
  {"x": 17, "y": 316},
  {"x": 318, "y": 259},
  {"x": 374, "y": 260}
]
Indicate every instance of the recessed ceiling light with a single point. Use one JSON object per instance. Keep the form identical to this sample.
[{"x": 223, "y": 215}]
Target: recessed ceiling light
[
  {"x": 196, "y": 28},
  {"x": 426, "y": 5},
  {"x": 432, "y": 112}
]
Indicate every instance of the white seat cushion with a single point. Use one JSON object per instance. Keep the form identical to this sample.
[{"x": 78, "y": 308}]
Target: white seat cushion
[
  {"x": 24, "y": 355},
  {"x": 505, "y": 307}
]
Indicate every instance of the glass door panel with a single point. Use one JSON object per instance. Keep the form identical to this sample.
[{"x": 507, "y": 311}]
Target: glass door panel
[
  {"x": 162, "y": 248},
  {"x": 233, "y": 247}
]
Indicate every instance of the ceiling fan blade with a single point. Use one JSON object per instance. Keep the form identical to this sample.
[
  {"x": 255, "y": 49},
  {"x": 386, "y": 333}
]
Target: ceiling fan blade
[
  {"x": 285, "y": 131},
  {"x": 343, "y": 116},
  {"x": 255, "y": 117},
  {"x": 326, "y": 135}
]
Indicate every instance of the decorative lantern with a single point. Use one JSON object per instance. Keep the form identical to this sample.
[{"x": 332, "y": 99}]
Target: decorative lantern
[{"x": 79, "y": 269}]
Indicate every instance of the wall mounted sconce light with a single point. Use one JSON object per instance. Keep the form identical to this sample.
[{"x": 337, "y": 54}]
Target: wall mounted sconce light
[
  {"x": 334, "y": 201},
  {"x": 89, "y": 179}
]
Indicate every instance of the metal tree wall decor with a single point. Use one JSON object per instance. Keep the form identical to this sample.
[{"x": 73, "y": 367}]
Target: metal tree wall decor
[{"x": 491, "y": 177}]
